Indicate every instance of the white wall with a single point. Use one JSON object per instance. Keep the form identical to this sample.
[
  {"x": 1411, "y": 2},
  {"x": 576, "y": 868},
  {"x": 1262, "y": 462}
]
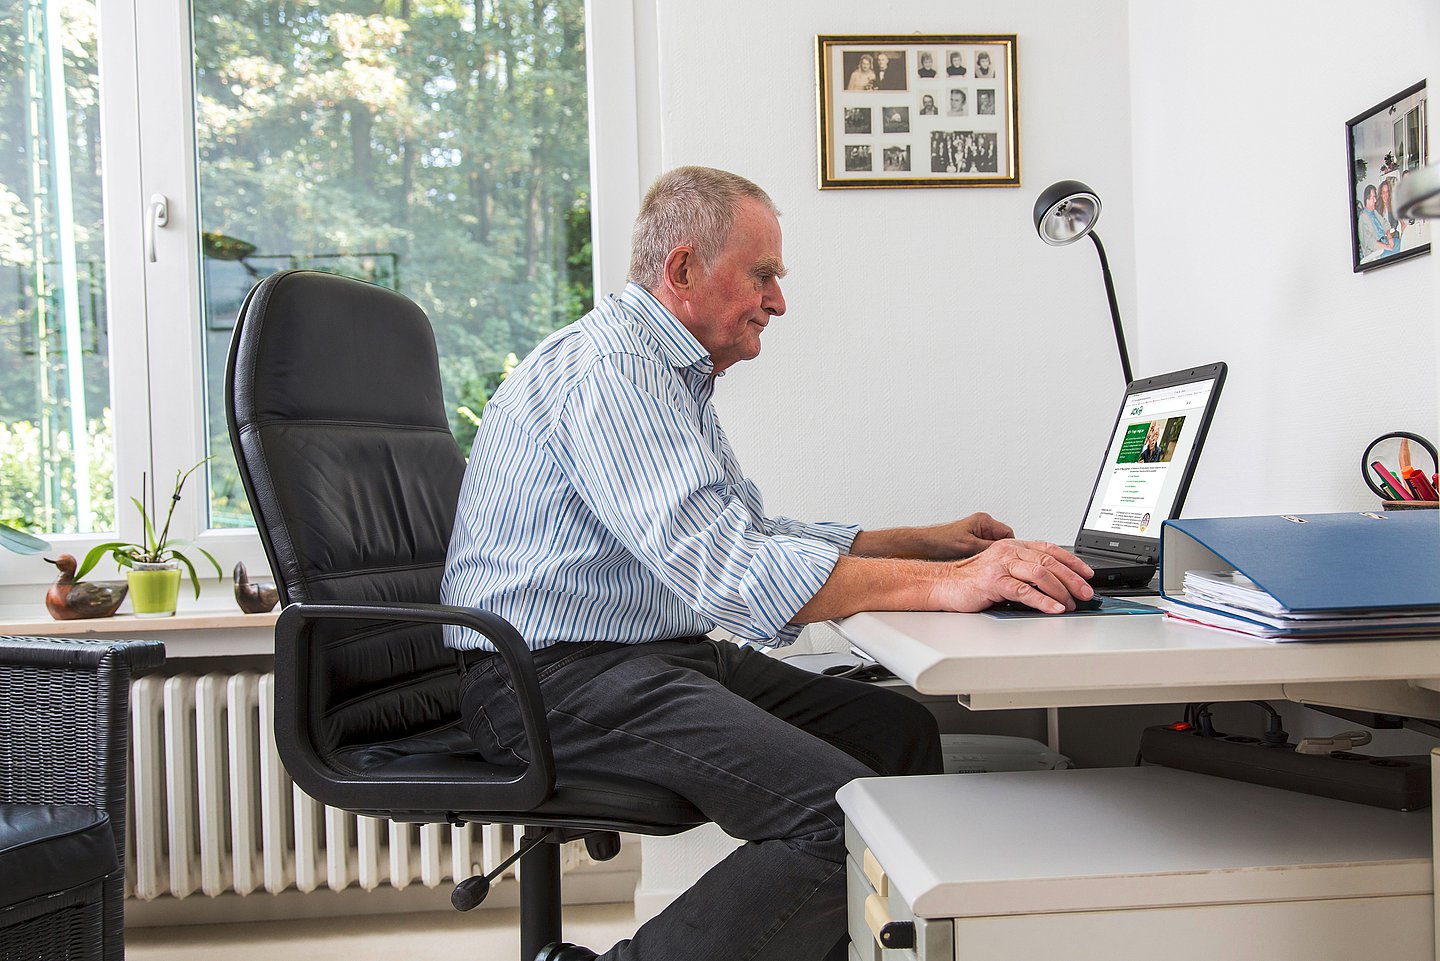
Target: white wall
[
  {"x": 937, "y": 358},
  {"x": 1242, "y": 227}
]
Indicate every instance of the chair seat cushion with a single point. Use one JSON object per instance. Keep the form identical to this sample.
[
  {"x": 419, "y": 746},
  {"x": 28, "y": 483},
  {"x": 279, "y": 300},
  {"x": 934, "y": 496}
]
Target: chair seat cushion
[
  {"x": 594, "y": 796},
  {"x": 45, "y": 848}
]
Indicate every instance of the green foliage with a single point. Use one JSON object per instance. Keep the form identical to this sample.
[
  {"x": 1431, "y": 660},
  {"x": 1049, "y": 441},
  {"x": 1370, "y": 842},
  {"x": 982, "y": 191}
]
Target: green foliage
[
  {"x": 154, "y": 548},
  {"x": 451, "y": 134},
  {"x": 22, "y": 475}
]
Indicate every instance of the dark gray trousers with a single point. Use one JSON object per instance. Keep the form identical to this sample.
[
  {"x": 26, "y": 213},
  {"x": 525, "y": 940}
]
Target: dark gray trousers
[{"x": 759, "y": 746}]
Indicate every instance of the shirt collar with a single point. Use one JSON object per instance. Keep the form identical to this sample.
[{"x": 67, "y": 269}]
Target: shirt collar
[{"x": 679, "y": 345}]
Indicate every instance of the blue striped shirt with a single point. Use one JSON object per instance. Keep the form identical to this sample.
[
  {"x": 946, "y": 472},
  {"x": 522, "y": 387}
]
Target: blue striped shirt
[{"x": 602, "y": 501}]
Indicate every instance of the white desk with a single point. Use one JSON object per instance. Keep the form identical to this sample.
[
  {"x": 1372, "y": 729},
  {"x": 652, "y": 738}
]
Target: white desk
[{"x": 991, "y": 663}]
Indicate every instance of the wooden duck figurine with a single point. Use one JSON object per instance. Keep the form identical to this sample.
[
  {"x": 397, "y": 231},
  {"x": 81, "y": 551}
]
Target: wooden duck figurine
[
  {"x": 253, "y": 598},
  {"x": 67, "y": 600}
]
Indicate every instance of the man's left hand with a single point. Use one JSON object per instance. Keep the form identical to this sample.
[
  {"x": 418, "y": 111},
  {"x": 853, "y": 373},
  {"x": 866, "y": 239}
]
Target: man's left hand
[{"x": 967, "y": 537}]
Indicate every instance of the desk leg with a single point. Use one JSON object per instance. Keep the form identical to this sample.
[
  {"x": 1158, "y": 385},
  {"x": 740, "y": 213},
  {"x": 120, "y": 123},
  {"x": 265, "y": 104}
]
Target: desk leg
[
  {"x": 1434, "y": 840},
  {"x": 1052, "y": 733}
]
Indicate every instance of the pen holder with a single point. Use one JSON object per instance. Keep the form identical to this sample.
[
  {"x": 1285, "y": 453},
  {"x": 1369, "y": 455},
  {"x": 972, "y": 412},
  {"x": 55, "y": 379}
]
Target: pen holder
[{"x": 1410, "y": 505}]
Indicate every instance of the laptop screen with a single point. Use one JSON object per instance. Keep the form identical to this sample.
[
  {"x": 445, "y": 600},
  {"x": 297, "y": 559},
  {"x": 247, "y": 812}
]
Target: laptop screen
[{"x": 1150, "y": 459}]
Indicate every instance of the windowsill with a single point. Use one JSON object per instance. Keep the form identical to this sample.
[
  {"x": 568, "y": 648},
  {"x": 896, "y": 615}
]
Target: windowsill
[
  {"x": 121, "y": 624},
  {"x": 198, "y": 633}
]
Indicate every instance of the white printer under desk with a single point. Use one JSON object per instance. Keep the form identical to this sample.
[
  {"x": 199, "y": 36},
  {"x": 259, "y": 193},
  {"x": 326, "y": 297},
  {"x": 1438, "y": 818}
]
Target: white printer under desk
[{"x": 1132, "y": 863}]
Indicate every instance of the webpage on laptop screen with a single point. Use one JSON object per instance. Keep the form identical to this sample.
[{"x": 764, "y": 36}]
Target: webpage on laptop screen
[{"x": 1146, "y": 461}]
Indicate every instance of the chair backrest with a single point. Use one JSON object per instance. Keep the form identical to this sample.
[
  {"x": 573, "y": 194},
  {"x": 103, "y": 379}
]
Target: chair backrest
[{"x": 339, "y": 429}]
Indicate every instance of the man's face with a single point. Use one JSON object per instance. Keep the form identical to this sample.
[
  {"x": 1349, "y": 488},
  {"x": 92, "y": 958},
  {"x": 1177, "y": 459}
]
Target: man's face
[
  {"x": 882, "y": 62},
  {"x": 957, "y": 100},
  {"x": 928, "y": 102},
  {"x": 734, "y": 298}
]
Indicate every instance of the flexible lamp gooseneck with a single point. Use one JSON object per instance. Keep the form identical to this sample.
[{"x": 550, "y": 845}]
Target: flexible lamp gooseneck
[
  {"x": 1065, "y": 212},
  {"x": 1418, "y": 196}
]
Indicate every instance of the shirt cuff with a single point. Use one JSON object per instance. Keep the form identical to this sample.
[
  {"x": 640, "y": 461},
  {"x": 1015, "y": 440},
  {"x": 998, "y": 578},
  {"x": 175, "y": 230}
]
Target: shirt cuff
[
  {"x": 841, "y": 536},
  {"x": 784, "y": 574}
]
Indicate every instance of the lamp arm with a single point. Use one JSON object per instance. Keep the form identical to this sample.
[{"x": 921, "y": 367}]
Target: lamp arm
[{"x": 1114, "y": 308}]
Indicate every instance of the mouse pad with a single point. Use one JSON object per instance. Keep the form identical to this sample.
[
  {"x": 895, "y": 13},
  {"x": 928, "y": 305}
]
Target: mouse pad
[{"x": 1108, "y": 605}]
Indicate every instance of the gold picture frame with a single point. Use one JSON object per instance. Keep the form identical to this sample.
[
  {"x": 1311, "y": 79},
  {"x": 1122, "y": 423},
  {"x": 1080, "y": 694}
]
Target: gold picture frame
[{"x": 918, "y": 110}]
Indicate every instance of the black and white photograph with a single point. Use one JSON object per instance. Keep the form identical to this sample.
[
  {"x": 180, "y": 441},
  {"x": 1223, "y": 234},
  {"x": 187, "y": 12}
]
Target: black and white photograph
[
  {"x": 887, "y": 99},
  {"x": 896, "y": 158},
  {"x": 875, "y": 70},
  {"x": 1386, "y": 144},
  {"x": 962, "y": 151},
  {"x": 857, "y": 157}
]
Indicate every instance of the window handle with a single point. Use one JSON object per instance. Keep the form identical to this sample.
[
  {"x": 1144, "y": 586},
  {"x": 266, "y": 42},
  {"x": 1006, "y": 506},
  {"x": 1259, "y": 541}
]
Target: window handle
[{"x": 156, "y": 215}]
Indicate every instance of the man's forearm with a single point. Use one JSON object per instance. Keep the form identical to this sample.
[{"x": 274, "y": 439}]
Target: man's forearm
[
  {"x": 871, "y": 584},
  {"x": 914, "y": 543}
]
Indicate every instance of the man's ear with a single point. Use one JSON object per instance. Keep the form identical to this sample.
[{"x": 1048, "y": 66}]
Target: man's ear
[{"x": 681, "y": 270}]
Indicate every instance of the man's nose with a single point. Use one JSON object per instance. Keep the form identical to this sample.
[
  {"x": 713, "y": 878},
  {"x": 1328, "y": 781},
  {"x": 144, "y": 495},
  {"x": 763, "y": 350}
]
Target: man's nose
[{"x": 774, "y": 301}]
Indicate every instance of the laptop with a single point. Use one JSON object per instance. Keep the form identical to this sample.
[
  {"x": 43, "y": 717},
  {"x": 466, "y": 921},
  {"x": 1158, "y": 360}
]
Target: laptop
[{"x": 1145, "y": 475}]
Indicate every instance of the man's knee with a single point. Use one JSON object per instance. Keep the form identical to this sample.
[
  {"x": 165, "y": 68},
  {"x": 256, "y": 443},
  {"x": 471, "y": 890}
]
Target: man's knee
[{"x": 911, "y": 743}]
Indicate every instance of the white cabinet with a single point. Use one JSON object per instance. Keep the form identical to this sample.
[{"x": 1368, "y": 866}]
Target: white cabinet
[{"x": 1113, "y": 864}]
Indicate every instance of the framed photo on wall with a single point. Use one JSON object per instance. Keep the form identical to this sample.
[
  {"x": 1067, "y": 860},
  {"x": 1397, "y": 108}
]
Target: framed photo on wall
[
  {"x": 918, "y": 110},
  {"x": 1384, "y": 144}
]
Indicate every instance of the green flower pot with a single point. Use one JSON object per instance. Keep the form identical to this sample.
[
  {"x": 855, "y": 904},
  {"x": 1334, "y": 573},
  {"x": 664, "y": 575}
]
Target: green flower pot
[{"x": 154, "y": 589}]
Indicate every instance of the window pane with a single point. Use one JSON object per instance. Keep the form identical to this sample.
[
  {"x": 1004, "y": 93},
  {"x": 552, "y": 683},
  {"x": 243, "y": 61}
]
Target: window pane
[
  {"x": 436, "y": 147},
  {"x": 56, "y": 464}
]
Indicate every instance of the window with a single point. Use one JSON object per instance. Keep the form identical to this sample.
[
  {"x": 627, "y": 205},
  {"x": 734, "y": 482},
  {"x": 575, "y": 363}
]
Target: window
[
  {"x": 56, "y": 469},
  {"x": 438, "y": 148}
]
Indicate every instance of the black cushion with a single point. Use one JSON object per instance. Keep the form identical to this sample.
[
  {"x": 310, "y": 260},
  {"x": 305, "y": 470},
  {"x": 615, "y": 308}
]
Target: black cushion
[
  {"x": 450, "y": 755},
  {"x": 46, "y": 848}
]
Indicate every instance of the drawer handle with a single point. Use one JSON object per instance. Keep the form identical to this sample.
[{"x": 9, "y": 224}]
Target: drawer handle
[
  {"x": 887, "y": 933},
  {"x": 875, "y": 874}
]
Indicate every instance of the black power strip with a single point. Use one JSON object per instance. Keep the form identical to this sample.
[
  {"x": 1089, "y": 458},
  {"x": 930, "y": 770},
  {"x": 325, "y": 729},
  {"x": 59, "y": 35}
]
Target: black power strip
[{"x": 1397, "y": 783}]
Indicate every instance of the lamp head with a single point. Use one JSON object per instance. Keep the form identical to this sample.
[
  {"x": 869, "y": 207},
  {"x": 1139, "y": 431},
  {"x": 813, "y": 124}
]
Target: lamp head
[
  {"x": 1065, "y": 212},
  {"x": 1418, "y": 196}
]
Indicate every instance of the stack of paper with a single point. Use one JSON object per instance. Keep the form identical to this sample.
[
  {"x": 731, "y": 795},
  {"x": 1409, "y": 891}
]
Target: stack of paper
[
  {"x": 1231, "y": 600},
  {"x": 1310, "y": 577}
]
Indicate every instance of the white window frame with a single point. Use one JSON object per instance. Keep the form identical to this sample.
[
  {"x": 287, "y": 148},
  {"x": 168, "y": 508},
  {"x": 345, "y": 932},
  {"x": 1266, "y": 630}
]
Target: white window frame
[{"x": 157, "y": 383}]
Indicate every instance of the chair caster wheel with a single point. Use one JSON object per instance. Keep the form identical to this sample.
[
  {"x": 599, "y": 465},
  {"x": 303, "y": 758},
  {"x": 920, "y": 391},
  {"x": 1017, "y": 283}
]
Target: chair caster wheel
[{"x": 603, "y": 846}]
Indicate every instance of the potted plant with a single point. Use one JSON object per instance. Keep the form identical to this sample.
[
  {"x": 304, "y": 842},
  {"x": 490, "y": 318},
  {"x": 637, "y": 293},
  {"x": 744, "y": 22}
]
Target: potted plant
[{"x": 153, "y": 567}]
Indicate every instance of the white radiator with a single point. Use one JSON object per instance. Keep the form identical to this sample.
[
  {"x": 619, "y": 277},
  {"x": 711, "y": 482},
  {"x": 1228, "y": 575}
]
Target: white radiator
[{"x": 212, "y": 810}]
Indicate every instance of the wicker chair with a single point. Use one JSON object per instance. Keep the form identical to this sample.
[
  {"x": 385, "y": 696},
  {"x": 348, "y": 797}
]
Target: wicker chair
[{"x": 63, "y": 738}]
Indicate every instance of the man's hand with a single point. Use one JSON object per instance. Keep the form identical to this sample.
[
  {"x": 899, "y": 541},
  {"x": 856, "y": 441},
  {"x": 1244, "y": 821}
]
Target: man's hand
[
  {"x": 942, "y": 542},
  {"x": 967, "y": 537},
  {"x": 1034, "y": 573}
]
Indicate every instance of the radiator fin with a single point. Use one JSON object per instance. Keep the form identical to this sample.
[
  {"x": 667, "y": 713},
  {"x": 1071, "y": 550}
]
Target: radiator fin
[{"x": 212, "y": 809}]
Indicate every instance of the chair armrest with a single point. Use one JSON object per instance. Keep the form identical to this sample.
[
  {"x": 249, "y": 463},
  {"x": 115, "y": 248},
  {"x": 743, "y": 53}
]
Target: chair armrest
[
  {"x": 64, "y": 720},
  {"x": 295, "y": 741}
]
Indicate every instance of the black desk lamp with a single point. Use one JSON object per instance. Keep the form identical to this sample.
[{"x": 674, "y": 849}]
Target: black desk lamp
[
  {"x": 1065, "y": 212},
  {"x": 1418, "y": 196}
]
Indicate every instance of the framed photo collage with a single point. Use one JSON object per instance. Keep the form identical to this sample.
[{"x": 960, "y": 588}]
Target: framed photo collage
[{"x": 915, "y": 110}]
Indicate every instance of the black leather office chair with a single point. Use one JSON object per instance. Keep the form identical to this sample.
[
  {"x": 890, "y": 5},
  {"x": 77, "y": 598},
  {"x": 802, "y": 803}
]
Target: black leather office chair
[{"x": 336, "y": 417}]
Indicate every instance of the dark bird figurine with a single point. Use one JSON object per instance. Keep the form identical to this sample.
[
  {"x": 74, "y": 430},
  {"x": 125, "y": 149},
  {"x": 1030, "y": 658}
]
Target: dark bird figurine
[
  {"x": 254, "y": 598},
  {"x": 68, "y": 600}
]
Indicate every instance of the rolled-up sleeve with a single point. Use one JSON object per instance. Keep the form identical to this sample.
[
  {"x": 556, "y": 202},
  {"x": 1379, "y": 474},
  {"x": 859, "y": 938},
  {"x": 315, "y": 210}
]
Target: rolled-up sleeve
[
  {"x": 632, "y": 450},
  {"x": 840, "y": 536}
]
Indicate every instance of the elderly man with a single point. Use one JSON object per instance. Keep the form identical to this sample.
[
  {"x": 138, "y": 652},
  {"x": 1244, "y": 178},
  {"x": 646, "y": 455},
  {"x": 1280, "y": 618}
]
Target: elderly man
[{"x": 605, "y": 515}]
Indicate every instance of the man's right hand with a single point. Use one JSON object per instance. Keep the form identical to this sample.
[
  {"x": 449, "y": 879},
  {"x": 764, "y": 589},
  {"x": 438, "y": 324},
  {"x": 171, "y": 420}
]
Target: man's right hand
[{"x": 1034, "y": 573}]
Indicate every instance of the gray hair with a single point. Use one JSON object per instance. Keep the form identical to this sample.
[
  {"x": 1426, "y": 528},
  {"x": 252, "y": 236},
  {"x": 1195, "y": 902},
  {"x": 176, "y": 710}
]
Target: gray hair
[{"x": 687, "y": 205}]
